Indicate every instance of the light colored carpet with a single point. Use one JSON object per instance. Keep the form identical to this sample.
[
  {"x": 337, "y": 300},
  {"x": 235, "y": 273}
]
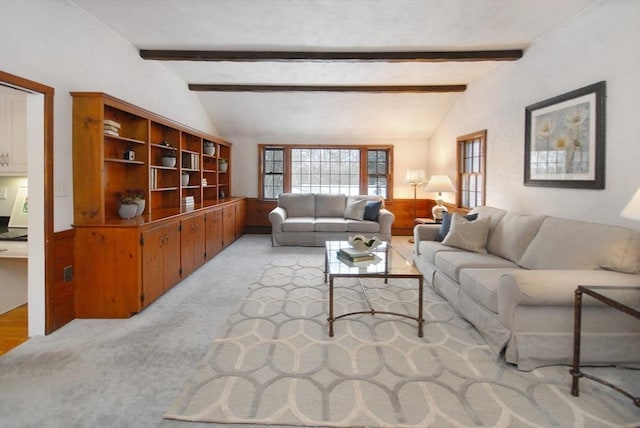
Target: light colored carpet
[
  {"x": 127, "y": 373},
  {"x": 274, "y": 363}
]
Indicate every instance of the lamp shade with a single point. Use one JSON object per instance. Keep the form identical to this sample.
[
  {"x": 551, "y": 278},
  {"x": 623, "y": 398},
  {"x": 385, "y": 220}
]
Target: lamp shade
[
  {"x": 632, "y": 210},
  {"x": 439, "y": 183},
  {"x": 415, "y": 176}
]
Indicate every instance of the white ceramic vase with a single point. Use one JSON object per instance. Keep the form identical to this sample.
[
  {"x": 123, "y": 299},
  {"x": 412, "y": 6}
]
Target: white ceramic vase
[{"x": 141, "y": 204}]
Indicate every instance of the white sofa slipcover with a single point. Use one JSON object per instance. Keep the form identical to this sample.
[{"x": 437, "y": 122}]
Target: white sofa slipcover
[
  {"x": 520, "y": 294},
  {"x": 310, "y": 219}
]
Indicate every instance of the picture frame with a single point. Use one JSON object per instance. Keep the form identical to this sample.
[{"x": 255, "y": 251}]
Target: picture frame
[
  {"x": 565, "y": 140},
  {"x": 20, "y": 212}
]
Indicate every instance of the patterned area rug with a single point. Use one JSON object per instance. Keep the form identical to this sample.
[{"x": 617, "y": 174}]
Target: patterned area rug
[{"x": 275, "y": 364}]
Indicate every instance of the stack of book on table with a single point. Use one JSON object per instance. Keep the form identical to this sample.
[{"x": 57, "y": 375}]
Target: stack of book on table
[{"x": 353, "y": 255}]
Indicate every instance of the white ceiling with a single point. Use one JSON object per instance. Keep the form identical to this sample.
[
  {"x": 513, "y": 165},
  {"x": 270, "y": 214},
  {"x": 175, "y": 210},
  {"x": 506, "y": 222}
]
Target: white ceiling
[{"x": 331, "y": 25}]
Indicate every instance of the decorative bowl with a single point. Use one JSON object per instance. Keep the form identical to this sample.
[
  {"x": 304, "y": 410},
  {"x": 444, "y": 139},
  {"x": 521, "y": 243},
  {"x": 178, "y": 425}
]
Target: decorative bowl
[
  {"x": 169, "y": 161},
  {"x": 362, "y": 243}
]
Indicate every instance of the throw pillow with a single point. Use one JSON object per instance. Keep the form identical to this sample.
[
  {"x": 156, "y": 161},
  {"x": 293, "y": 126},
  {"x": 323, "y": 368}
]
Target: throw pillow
[
  {"x": 446, "y": 224},
  {"x": 468, "y": 235},
  {"x": 355, "y": 208},
  {"x": 372, "y": 210}
]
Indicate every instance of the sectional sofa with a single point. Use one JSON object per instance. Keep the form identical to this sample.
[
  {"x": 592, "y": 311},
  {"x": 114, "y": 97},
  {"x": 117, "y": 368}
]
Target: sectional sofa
[
  {"x": 513, "y": 276},
  {"x": 310, "y": 219}
]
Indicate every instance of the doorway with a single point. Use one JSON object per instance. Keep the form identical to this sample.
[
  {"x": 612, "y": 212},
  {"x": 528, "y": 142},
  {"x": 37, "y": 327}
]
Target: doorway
[{"x": 40, "y": 184}]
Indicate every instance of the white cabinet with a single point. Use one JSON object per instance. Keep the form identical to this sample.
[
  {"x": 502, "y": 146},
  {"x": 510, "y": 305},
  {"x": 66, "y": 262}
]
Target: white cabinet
[
  {"x": 13, "y": 271},
  {"x": 13, "y": 131}
]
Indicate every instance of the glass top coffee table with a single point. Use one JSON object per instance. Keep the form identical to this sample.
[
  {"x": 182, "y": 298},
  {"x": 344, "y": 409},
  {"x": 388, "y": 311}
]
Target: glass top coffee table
[{"x": 388, "y": 263}]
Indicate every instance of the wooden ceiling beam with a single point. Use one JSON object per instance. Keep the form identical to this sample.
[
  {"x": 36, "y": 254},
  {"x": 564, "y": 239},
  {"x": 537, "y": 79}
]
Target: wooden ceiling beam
[
  {"x": 329, "y": 88},
  {"x": 274, "y": 56}
]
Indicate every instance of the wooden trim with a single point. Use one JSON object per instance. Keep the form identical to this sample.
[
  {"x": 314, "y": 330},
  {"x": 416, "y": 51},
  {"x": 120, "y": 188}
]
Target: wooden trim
[
  {"x": 363, "y": 148},
  {"x": 48, "y": 93},
  {"x": 205, "y": 87},
  {"x": 258, "y": 56},
  {"x": 483, "y": 166}
]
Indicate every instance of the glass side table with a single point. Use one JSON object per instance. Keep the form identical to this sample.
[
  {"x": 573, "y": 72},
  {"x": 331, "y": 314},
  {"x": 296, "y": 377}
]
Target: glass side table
[{"x": 623, "y": 298}]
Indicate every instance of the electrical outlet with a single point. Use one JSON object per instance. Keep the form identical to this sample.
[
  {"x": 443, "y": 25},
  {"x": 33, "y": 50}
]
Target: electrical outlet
[{"x": 67, "y": 273}]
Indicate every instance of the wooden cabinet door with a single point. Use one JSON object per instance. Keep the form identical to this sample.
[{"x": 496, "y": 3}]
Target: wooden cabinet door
[
  {"x": 186, "y": 246},
  {"x": 152, "y": 264},
  {"x": 171, "y": 254},
  {"x": 192, "y": 243},
  {"x": 228, "y": 224},
  {"x": 199, "y": 240},
  {"x": 213, "y": 232},
  {"x": 241, "y": 217}
]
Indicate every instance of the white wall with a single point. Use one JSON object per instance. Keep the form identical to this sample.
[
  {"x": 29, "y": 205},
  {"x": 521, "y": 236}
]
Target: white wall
[
  {"x": 407, "y": 153},
  {"x": 57, "y": 44},
  {"x": 600, "y": 44}
]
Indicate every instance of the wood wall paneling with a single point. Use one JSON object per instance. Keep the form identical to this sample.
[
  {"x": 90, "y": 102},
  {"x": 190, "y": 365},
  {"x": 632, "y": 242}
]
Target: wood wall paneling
[
  {"x": 61, "y": 295},
  {"x": 258, "y": 214}
]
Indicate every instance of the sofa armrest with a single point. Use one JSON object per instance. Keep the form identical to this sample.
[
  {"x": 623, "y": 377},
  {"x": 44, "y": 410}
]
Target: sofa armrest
[
  {"x": 385, "y": 220},
  {"x": 424, "y": 232},
  {"x": 552, "y": 288},
  {"x": 276, "y": 217}
]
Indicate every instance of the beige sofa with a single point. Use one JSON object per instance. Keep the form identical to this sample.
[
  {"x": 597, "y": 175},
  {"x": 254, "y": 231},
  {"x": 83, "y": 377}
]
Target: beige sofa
[
  {"x": 518, "y": 289},
  {"x": 310, "y": 219}
]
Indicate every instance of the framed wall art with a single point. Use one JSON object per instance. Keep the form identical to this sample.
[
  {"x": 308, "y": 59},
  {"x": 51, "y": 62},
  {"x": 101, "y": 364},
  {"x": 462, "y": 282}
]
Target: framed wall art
[{"x": 565, "y": 140}]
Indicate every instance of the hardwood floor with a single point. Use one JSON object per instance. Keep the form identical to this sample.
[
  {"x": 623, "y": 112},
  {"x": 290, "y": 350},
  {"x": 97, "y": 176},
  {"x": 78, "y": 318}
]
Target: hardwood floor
[{"x": 13, "y": 328}]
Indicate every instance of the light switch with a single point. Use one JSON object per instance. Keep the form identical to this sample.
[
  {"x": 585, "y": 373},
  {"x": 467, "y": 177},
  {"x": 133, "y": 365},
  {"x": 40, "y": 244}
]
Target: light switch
[{"x": 3, "y": 192}]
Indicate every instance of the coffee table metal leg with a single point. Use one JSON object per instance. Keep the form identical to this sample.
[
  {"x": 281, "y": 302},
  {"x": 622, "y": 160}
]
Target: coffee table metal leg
[
  {"x": 330, "y": 319},
  {"x": 575, "y": 371}
]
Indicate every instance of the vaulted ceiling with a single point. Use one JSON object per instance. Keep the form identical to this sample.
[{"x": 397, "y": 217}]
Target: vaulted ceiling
[{"x": 302, "y": 67}]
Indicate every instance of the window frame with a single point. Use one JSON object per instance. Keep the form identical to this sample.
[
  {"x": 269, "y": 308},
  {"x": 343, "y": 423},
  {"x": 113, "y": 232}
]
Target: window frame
[
  {"x": 461, "y": 143},
  {"x": 364, "y": 176}
]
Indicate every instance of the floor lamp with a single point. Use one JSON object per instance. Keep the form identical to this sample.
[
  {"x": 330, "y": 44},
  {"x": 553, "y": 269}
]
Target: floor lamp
[{"x": 415, "y": 177}]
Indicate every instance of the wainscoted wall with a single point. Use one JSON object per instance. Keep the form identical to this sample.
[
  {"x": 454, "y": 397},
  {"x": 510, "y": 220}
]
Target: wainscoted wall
[
  {"x": 258, "y": 214},
  {"x": 61, "y": 294}
]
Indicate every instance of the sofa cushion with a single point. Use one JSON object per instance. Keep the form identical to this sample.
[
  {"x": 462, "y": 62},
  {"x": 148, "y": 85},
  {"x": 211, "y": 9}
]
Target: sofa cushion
[
  {"x": 482, "y": 285},
  {"x": 451, "y": 263},
  {"x": 466, "y": 234},
  {"x": 298, "y": 224},
  {"x": 355, "y": 208},
  {"x": 372, "y": 210},
  {"x": 330, "y": 205},
  {"x": 494, "y": 215},
  {"x": 513, "y": 235},
  {"x": 572, "y": 244},
  {"x": 298, "y": 204},
  {"x": 362, "y": 226},
  {"x": 446, "y": 224},
  {"x": 330, "y": 224},
  {"x": 429, "y": 249},
  {"x": 373, "y": 198}
]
